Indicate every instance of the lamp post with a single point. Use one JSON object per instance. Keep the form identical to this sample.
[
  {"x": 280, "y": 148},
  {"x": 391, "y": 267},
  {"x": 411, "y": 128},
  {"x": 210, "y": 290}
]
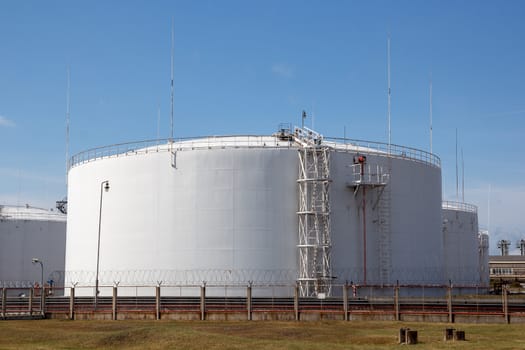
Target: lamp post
[
  {"x": 104, "y": 185},
  {"x": 39, "y": 261}
]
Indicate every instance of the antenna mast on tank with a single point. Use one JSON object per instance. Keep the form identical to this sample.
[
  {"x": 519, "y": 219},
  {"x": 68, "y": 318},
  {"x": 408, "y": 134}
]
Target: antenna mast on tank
[
  {"x": 457, "y": 180},
  {"x": 488, "y": 209},
  {"x": 172, "y": 36},
  {"x": 62, "y": 204},
  {"x": 430, "y": 112},
  {"x": 389, "y": 93},
  {"x": 158, "y": 121},
  {"x": 67, "y": 120},
  {"x": 462, "y": 177}
]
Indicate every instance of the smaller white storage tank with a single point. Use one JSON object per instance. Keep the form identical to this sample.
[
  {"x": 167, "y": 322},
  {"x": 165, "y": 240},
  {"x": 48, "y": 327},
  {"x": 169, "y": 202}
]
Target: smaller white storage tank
[
  {"x": 483, "y": 252},
  {"x": 461, "y": 245},
  {"x": 27, "y": 233}
]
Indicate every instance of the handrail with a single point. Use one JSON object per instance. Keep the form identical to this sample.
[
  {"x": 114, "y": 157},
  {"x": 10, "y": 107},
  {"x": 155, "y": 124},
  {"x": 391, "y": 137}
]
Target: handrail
[
  {"x": 29, "y": 213},
  {"x": 250, "y": 141},
  {"x": 393, "y": 150},
  {"x": 33, "y": 216},
  {"x": 188, "y": 143},
  {"x": 114, "y": 149},
  {"x": 450, "y": 205}
]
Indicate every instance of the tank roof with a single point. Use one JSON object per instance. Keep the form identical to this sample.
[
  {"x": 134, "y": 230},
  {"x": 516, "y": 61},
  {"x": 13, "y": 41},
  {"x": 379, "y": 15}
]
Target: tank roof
[
  {"x": 29, "y": 213},
  {"x": 253, "y": 141},
  {"x": 459, "y": 206}
]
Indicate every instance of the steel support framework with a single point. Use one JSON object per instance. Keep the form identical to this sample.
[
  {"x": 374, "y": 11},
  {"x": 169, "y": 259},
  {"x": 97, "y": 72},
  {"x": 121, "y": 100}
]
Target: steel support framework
[{"x": 315, "y": 269}]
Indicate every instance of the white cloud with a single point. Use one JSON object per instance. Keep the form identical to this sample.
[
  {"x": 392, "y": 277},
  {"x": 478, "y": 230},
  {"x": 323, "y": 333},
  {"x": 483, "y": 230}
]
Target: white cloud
[
  {"x": 6, "y": 122},
  {"x": 283, "y": 70}
]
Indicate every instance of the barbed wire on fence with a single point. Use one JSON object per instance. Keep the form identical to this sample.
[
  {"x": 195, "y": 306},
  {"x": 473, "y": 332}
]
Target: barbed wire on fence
[
  {"x": 182, "y": 277},
  {"x": 429, "y": 276}
]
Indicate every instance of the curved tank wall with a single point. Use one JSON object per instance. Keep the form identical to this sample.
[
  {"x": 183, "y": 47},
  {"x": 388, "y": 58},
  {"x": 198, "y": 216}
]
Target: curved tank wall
[
  {"x": 217, "y": 215},
  {"x": 225, "y": 211},
  {"x": 460, "y": 239},
  {"x": 402, "y": 222},
  {"x": 27, "y": 233}
]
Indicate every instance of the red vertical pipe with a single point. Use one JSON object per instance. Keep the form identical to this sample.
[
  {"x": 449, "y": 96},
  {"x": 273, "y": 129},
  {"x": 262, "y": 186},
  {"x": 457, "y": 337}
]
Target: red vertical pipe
[
  {"x": 362, "y": 161},
  {"x": 364, "y": 236}
]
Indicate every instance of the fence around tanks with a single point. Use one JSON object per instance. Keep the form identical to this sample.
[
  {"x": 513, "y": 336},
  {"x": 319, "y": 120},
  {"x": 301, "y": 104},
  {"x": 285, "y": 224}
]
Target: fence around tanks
[{"x": 397, "y": 302}]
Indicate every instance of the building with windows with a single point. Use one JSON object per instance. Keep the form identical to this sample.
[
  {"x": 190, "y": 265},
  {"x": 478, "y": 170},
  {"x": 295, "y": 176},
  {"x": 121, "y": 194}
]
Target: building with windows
[{"x": 507, "y": 268}]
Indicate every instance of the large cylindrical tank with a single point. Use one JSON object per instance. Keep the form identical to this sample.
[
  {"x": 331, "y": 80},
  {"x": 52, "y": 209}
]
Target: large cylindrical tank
[
  {"x": 27, "y": 233},
  {"x": 202, "y": 211},
  {"x": 460, "y": 239},
  {"x": 224, "y": 210}
]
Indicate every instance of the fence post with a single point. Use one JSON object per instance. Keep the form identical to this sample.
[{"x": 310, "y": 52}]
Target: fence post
[
  {"x": 449, "y": 303},
  {"x": 296, "y": 301},
  {"x": 249, "y": 300},
  {"x": 345, "y": 301},
  {"x": 203, "y": 301},
  {"x": 43, "y": 298},
  {"x": 157, "y": 302},
  {"x": 114, "y": 304},
  {"x": 72, "y": 304},
  {"x": 505, "y": 303},
  {"x": 31, "y": 301},
  {"x": 4, "y": 302},
  {"x": 396, "y": 301}
]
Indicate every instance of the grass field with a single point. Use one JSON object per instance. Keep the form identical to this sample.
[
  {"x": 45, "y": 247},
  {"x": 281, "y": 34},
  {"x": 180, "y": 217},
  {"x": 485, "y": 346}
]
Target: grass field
[{"x": 55, "y": 334}]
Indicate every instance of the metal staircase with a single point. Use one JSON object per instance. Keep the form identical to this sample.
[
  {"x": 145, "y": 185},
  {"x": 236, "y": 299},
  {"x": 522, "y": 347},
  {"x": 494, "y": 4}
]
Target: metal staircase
[
  {"x": 373, "y": 179},
  {"x": 315, "y": 269},
  {"x": 385, "y": 243}
]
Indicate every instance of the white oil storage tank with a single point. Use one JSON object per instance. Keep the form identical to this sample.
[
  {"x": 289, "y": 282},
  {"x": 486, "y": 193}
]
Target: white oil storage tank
[
  {"x": 279, "y": 209},
  {"x": 461, "y": 244},
  {"x": 26, "y": 233},
  {"x": 215, "y": 210}
]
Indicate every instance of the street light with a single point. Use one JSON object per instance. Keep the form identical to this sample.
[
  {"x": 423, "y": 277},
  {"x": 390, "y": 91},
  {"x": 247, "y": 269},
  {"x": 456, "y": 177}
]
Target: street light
[
  {"x": 38, "y": 261},
  {"x": 104, "y": 185}
]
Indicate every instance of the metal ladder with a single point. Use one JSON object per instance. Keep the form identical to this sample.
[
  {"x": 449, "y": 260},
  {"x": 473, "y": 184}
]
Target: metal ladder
[
  {"x": 385, "y": 243},
  {"x": 376, "y": 179}
]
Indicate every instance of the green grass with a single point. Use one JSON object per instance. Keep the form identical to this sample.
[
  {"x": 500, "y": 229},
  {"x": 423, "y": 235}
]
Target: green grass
[{"x": 57, "y": 334}]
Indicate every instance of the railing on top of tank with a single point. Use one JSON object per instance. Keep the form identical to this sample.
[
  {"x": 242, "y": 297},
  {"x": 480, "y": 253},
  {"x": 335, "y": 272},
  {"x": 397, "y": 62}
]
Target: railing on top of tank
[
  {"x": 179, "y": 144},
  {"x": 203, "y": 142},
  {"x": 26, "y": 214},
  {"x": 393, "y": 150},
  {"x": 460, "y": 206}
]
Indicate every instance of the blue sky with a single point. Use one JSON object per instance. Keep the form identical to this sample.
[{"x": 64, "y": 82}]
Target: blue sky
[{"x": 243, "y": 67}]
